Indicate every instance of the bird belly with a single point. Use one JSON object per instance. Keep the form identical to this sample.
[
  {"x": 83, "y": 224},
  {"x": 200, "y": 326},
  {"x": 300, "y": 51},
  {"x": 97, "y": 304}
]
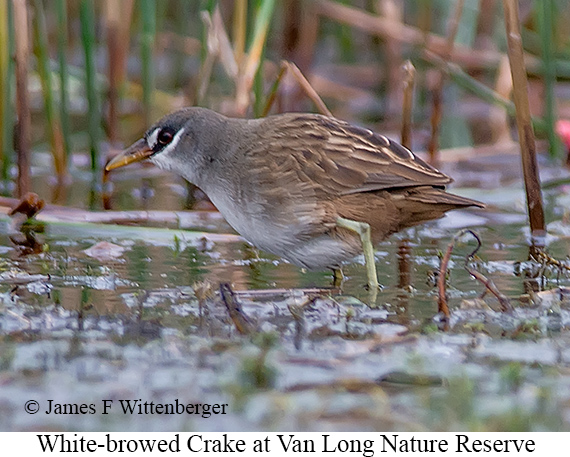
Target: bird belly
[
  {"x": 253, "y": 225},
  {"x": 324, "y": 251},
  {"x": 289, "y": 239}
]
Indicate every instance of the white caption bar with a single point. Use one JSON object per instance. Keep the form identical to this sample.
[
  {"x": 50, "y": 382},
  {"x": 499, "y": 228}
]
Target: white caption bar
[{"x": 281, "y": 444}]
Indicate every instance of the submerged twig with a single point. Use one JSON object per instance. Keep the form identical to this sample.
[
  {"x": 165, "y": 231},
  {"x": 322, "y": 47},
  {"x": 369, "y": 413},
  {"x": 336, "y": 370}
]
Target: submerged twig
[
  {"x": 242, "y": 323},
  {"x": 441, "y": 294},
  {"x": 404, "y": 247},
  {"x": 298, "y": 313},
  {"x": 203, "y": 291},
  {"x": 489, "y": 284},
  {"x": 542, "y": 257}
]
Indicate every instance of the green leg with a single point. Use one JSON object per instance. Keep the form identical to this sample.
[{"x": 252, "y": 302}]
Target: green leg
[
  {"x": 338, "y": 278},
  {"x": 363, "y": 229}
]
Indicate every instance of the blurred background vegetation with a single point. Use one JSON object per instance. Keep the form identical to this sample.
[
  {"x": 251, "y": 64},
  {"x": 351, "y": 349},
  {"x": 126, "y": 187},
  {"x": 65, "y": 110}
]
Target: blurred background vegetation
[{"x": 81, "y": 78}]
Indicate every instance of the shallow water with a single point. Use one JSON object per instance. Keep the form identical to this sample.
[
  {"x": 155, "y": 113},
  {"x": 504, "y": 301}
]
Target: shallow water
[{"x": 141, "y": 318}]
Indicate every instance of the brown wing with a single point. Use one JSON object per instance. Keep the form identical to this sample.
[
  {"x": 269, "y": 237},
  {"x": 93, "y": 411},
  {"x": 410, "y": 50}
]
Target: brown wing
[{"x": 341, "y": 158}]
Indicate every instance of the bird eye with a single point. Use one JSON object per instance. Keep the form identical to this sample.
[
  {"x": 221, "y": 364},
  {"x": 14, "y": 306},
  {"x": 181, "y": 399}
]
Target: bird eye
[{"x": 165, "y": 137}]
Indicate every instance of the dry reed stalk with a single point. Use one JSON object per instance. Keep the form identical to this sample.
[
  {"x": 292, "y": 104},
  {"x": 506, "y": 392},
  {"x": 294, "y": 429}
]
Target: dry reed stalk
[
  {"x": 253, "y": 60},
  {"x": 23, "y": 135},
  {"x": 370, "y": 23},
  {"x": 498, "y": 117},
  {"x": 226, "y": 53},
  {"x": 437, "y": 89},
  {"x": 212, "y": 51},
  {"x": 239, "y": 29},
  {"x": 148, "y": 37},
  {"x": 308, "y": 36},
  {"x": 482, "y": 91},
  {"x": 393, "y": 11},
  {"x": 6, "y": 116},
  {"x": 62, "y": 49},
  {"x": 407, "y": 104},
  {"x": 118, "y": 15},
  {"x": 292, "y": 69},
  {"x": 274, "y": 89},
  {"x": 404, "y": 247},
  {"x": 485, "y": 24},
  {"x": 307, "y": 88},
  {"x": 524, "y": 121},
  {"x": 40, "y": 47},
  {"x": 88, "y": 41},
  {"x": 292, "y": 18},
  {"x": 217, "y": 47}
]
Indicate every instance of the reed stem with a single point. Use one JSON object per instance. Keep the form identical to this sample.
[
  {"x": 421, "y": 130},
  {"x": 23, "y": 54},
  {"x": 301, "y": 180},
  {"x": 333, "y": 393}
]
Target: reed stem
[
  {"x": 524, "y": 122},
  {"x": 52, "y": 118},
  {"x": 87, "y": 20},
  {"x": 6, "y": 80},
  {"x": 240, "y": 29},
  {"x": 437, "y": 90},
  {"x": 484, "y": 92},
  {"x": 254, "y": 57},
  {"x": 63, "y": 75},
  {"x": 546, "y": 26},
  {"x": 23, "y": 134},
  {"x": 148, "y": 12},
  {"x": 408, "y": 100}
]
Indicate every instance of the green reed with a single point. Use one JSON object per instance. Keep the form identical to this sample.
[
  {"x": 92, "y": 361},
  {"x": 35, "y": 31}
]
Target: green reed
[
  {"x": 87, "y": 20},
  {"x": 61, "y": 7},
  {"x": 40, "y": 46},
  {"x": 545, "y": 11},
  {"x": 6, "y": 81},
  {"x": 148, "y": 15}
]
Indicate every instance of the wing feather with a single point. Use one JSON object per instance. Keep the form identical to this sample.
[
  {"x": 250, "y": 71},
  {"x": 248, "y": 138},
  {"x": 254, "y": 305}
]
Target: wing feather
[{"x": 339, "y": 158}]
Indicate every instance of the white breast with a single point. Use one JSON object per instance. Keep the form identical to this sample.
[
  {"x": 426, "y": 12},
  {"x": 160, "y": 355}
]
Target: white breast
[{"x": 247, "y": 218}]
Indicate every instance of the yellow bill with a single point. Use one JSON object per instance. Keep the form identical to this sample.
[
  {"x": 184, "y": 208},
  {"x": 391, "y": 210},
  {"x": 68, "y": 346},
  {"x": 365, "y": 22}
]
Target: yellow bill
[{"x": 135, "y": 153}]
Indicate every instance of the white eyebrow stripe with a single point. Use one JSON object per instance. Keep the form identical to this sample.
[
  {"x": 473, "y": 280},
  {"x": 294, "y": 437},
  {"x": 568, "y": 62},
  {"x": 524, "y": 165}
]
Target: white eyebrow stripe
[
  {"x": 173, "y": 143},
  {"x": 152, "y": 138}
]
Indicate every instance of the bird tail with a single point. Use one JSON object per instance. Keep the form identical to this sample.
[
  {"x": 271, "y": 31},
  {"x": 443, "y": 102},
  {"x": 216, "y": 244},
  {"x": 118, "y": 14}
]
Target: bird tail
[
  {"x": 431, "y": 203},
  {"x": 435, "y": 196}
]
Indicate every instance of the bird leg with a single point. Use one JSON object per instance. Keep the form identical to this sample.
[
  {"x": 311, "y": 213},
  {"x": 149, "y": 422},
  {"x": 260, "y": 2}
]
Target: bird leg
[
  {"x": 363, "y": 230},
  {"x": 338, "y": 278}
]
